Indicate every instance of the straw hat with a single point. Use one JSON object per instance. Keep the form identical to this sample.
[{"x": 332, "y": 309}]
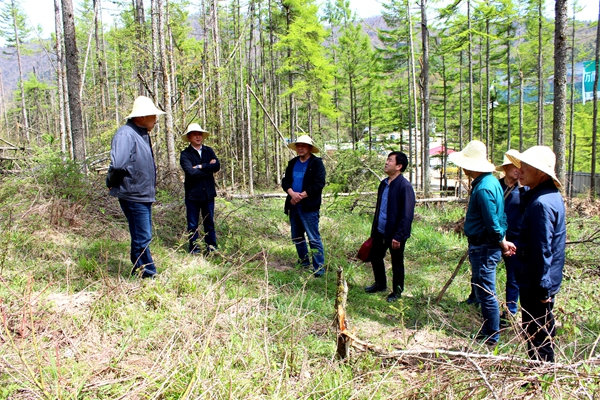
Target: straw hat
[
  {"x": 144, "y": 106},
  {"x": 506, "y": 160},
  {"x": 473, "y": 157},
  {"x": 194, "y": 128},
  {"x": 539, "y": 157},
  {"x": 306, "y": 140}
]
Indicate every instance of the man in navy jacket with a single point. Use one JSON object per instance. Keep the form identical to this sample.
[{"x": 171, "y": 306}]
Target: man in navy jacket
[
  {"x": 304, "y": 181},
  {"x": 392, "y": 223},
  {"x": 540, "y": 248},
  {"x": 199, "y": 163}
]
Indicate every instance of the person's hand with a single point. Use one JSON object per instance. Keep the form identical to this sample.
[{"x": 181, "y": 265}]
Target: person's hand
[
  {"x": 395, "y": 244},
  {"x": 508, "y": 248},
  {"x": 545, "y": 301},
  {"x": 213, "y": 161},
  {"x": 296, "y": 197}
]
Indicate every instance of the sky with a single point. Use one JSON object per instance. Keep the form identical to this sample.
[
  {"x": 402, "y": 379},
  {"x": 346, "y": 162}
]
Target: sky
[{"x": 41, "y": 12}]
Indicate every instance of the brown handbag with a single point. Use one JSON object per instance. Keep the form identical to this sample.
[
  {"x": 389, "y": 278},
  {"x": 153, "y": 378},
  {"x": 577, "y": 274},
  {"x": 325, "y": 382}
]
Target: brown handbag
[{"x": 364, "y": 253}]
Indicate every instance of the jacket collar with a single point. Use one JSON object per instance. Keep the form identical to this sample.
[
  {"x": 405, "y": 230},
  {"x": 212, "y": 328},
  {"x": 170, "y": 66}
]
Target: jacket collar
[{"x": 140, "y": 130}]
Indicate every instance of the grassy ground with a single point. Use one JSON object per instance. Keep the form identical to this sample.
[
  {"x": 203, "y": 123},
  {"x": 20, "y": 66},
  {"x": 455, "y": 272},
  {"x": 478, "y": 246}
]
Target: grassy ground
[{"x": 245, "y": 323}]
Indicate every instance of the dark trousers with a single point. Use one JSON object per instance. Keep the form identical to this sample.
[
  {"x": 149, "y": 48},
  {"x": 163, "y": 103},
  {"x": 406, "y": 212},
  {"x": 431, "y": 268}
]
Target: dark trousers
[
  {"x": 206, "y": 210},
  {"x": 538, "y": 324},
  {"x": 380, "y": 246}
]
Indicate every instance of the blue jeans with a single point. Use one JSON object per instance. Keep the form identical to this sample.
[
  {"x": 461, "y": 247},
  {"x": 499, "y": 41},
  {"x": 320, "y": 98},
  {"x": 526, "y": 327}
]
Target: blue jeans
[
  {"x": 206, "y": 209},
  {"x": 484, "y": 259},
  {"x": 302, "y": 222},
  {"x": 512, "y": 288},
  {"x": 139, "y": 217}
]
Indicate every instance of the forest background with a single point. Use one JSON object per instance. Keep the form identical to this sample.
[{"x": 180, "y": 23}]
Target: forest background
[{"x": 257, "y": 73}]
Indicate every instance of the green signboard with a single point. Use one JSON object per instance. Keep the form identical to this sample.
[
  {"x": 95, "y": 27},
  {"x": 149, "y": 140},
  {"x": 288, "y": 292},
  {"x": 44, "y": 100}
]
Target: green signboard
[{"x": 589, "y": 74}]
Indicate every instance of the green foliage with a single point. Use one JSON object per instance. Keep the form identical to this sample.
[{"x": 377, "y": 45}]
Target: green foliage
[
  {"x": 63, "y": 179},
  {"x": 352, "y": 171}
]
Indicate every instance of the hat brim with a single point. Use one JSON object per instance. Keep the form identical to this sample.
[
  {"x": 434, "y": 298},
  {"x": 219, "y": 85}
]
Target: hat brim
[
  {"x": 313, "y": 150},
  {"x": 469, "y": 164},
  {"x": 517, "y": 162},
  {"x": 156, "y": 112},
  {"x": 186, "y": 138}
]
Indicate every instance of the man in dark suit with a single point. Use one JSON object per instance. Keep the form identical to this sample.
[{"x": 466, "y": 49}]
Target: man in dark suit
[
  {"x": 199, "y": 163},
  {"x": 392, "y": 222}
]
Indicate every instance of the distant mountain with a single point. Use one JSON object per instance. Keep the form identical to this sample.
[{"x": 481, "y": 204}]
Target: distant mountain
[{"x": 35, "y": 61}]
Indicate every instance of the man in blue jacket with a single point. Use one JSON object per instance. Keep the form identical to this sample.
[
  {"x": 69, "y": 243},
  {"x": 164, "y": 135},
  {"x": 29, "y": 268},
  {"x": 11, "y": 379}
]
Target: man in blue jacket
[
  {"x": 540, "y": 248},
  {"x": 485, "y": 227},
  {"x": 199, "y": 164},
  {"x": 303, "y": 182},
  {"x": 392, "y": 223},
  {"x": 132, "y": 179}
]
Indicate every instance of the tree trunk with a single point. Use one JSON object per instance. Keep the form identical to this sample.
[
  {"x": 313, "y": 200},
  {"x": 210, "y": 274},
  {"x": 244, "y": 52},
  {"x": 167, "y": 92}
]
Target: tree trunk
[
  {"x": 167, "y": 102},
  {"x": 571, "y": 165},
  {"x": 413, "y": 73},
  {"x": 595, "y": 116},
  {"x": 100, "y": 56},
  {"x": 73, "y": 83},
  {"x": 425, "y": 80},
  {"x": 250, "y": 163},
  {"x": 60, "y": 78},
  {"x": 508, "y": 83},
  {"x": 138, "y": 7},
  {"x": 560, "y": 87},
  {"x": 20, "y": 66},
  {"x": 540, "y": 117},
  {"x": 470, "y": 63},
  {"x": 521, "y": 102}
]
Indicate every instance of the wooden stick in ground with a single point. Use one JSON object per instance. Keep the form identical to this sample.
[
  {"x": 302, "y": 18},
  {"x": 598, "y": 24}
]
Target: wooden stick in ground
[
  {"x": 343, "y": 341},
  {"x": 460, "y": 263}
]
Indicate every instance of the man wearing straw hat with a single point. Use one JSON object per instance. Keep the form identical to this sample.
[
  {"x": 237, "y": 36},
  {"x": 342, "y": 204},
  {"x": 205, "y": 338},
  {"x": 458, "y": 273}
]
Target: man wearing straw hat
[
  {"x": 540, "y": 248},
  {"x": 485, "y": 226},
  {"x": 199, "y": 163},
  {"x": 512, "y": 208},
  {"x": 132, "y": 179},
  {"x": 303, "y": 182}
]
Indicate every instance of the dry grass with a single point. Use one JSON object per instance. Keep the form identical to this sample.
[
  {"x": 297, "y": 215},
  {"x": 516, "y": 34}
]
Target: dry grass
[{"x": 245, "y": 323}]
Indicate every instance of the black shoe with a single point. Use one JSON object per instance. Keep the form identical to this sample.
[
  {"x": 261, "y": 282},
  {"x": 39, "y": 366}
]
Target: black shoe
[
  {"x": 320, "y": 272},
  {"x": 392, "y": 297},
  {"x": 483, "y": 339},
  {"x": 374, "y": 288}
]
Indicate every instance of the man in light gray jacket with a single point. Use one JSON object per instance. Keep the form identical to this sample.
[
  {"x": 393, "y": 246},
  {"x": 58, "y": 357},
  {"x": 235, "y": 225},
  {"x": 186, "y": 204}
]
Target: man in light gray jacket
[{"x": 132, "y": 179}]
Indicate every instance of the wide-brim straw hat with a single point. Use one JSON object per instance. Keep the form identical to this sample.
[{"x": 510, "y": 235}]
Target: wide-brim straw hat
[
  {"x": 306, "y": 140},
  {"x": 539, "y": 157},
  {"x": 506, "y": 160},
  {"x": 473, "y": 157},
  {"x": 144, "y": 106},
  {"x": 194, "y": 127}
]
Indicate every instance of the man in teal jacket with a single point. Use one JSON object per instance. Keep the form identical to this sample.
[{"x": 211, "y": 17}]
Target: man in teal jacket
[{"x": 485, "y": 227}]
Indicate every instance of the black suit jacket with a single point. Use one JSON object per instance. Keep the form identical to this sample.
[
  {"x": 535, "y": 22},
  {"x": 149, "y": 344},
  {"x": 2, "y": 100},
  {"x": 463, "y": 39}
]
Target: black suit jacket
[
  {"x": 199, "y": 182},
  {"x": 400, "y": 209}
]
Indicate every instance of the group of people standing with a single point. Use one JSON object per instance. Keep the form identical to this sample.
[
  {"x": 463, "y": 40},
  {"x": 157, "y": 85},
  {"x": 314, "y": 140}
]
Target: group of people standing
[
  {"x": 132, "y": 179},
  {"x": 520, "y": 217}
]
